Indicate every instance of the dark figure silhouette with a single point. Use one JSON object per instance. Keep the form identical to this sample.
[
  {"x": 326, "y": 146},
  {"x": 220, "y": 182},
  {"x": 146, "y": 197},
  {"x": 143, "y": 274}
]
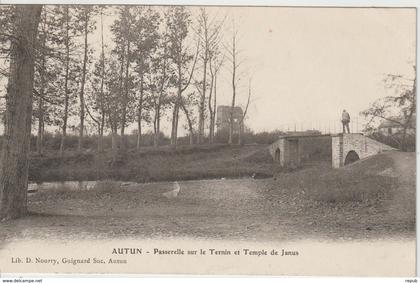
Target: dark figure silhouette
[{"x": 345, "y": 119}]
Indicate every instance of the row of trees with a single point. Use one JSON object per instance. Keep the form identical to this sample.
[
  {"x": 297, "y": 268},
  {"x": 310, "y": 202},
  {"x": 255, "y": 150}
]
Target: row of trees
[{"x": 159, "y": 62}]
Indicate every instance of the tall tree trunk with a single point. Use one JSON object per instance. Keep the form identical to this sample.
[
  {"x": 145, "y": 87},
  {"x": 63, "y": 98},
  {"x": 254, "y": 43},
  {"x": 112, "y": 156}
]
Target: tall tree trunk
[
  {"x": 157, "y": 134},
  {"x": 202, "y": 99},
  {"x": 212, "y": 109},
  {"x": 174, "y": 137},
  {"x": 101, "y": 133},
  {"x": 234, "y": 66},
  {"x": 190, "y": 124},
  {"x": 213, "y": 125},
  {"x": 125, "y": 99},
  {"x": 40, "y": 136},
  {"x": 14, "y": 155},
  {"x": 39, "y": 140},
  {"x": 114, "y": 138},
  {"x": 66, "y": 85},
  {"x": 158, "y": 107},
  {"x": 230, "y": 141},
  {"x": 138, "y": 143},
  {"x": 173, "y": 124},
  {"x": 241, "y": 131},
  {"x": 82, "y": 90},
  {"x": 139, "y": 113},
  {"x": 102, "y": 106},
  {"x": 116, "y": 120},
  {"x": 156, "y": 123},
  {"x": 242, "y": 120}
]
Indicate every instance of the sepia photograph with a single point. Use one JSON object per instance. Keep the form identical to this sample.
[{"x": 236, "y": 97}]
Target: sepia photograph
[{"x": 207, "y": 140}]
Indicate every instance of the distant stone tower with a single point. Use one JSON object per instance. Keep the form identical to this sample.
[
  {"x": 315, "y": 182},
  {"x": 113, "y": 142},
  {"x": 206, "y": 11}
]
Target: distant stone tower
[{"x": 223, "y": 117}]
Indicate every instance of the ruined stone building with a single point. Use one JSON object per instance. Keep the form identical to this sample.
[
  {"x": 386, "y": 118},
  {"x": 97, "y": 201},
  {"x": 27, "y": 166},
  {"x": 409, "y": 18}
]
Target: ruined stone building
[{"x": 223, "y": 118}]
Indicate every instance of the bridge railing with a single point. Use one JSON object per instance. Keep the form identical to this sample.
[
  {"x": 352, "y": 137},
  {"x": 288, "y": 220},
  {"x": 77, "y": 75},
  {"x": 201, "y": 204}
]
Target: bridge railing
[{"x": 325, "y": 127}]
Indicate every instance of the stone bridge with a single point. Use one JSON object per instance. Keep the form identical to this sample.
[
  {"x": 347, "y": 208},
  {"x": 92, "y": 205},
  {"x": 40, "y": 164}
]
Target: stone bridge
[{"x": 339, "y": 149}]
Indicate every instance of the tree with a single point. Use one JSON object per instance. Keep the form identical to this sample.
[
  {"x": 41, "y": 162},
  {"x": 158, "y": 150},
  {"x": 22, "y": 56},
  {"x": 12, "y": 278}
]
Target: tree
[
  {"x": 97, "y": 100},
  {"x": 178, "y": 21},
  {"x": 47, "y": 83},
  {"x": 69, "y": 30},
  {"x": 6, "y": 22},
  {"x": 400, "y": 109},
  {"x": 160, "y": 79},
  {"x": 14, "y": 156},
  {"x": 123, "y": 30},
  {"x": 241, "y": 121},
  {"x": 85, "y": 17},
  {"x": 233, "y": 57},
  {"x": 187, "y": 104},
  {"x": 209, "y": 36},
  {"x": 215, "y": 64},
  {"x": 146, "y": 39},
  {"x": 112, "y": 98}
]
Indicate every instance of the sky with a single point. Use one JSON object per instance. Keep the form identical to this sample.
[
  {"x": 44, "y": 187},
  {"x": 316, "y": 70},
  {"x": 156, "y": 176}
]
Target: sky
[{"x": 308, "y": 64}]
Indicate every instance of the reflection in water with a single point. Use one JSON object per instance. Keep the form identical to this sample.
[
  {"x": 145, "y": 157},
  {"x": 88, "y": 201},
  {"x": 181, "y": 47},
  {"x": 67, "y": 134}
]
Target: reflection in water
[{"x": 67, "y": 185}]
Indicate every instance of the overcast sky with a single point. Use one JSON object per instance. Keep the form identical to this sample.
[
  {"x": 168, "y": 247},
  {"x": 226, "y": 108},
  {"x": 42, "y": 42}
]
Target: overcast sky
[
  {"x": 310, "y": 63},
  {"x": 313, "y": 62}
]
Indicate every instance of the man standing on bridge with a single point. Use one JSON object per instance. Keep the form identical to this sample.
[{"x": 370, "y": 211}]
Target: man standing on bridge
[{"x": 345, "y": 119}]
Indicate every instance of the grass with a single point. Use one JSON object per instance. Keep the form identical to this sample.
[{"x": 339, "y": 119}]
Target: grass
[
  {"x": 148, "y": 165},
  {"x": 358, "y": 183}
]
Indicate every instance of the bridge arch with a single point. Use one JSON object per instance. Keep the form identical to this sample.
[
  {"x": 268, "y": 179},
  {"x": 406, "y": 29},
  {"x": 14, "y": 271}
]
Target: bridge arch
[{"x": 351, "y": 156}]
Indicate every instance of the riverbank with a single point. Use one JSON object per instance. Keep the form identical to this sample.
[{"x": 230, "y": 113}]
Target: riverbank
[
  {"x": 367, "y": 200},
  {"x": 151, "y": 165}
]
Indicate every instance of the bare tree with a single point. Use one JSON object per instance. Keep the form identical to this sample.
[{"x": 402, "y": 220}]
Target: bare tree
[
  {"x": 400, "y": 109},
  {"x": 146, "y": 40},
  {"x": 101, "y": 98},
  {"x": 209, "y": 35},
  {"x": 66, "y": 80},
  {"x": 86, "y": 19},
  {"x": 215, "y": 64},
  {"x": 233, "y": 56},
  {"x": 242, "y": 120},
  {"x": 178, "y": 21},
  {"x": 14, "y": 156},
  {"x": 187, "y": 104},
  {"x": 159, "y": 84}
]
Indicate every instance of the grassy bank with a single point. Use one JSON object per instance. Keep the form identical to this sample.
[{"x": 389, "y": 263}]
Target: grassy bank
[{"x": 149, "y": 164}]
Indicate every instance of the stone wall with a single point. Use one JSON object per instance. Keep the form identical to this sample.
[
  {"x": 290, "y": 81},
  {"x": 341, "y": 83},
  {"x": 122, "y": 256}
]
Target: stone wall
[
  {"x": 342, "y": 144},
  {"x": 295, "y": 149},
  {"x": 336, "y": 151}
]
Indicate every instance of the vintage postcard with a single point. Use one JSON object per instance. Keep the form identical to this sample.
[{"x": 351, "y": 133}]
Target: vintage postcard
[{"x": 207, "y": 140}]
